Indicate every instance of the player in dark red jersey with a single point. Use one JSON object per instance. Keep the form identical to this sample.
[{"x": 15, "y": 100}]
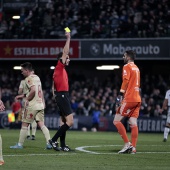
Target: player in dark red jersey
[{"x": 61, "y": 92}]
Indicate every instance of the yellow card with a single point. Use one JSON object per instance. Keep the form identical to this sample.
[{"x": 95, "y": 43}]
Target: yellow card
[{"x": 67, "y": 29}]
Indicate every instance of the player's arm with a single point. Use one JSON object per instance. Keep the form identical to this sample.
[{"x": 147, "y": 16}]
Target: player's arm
[
  {"x": 164, "y": 106},
  {"x": 66, "y": 47},
  {"x": 121, "y": 93},
  {"x": 31, "y": 93},
  {"x": 20, "y": 96},
  {"x": 124, "y": 85},
  {"x": 2, "y": 107},
  {"x": 125, "y": 80},
  {"x": 43, "y": 100},
  {"x": 20, "y": 91}
]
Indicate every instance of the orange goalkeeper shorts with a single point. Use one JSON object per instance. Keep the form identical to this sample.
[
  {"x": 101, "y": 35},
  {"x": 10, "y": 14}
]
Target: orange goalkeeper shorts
[{"x": 130, "y": 109}]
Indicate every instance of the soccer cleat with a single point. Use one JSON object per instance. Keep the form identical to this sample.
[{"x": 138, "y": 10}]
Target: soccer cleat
[
  {"x": 33, "y": 137},
  {"x": 1, "y": 162},
  {"x": 132, "y": 150},
  {"x": 65, "y": 148},
  {"x": 54, "y": 145},
  {"x": 164, "y": 140},
  {"x": 29, "y": 137},
  {"x": 48, "y": 146},
  {"x": 126, "y": 149},
  {"x": 16, "y": 147}
]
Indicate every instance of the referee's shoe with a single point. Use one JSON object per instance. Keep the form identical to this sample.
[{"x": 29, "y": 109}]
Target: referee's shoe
[
  {"x": 66, "y": 149},
  {"x": 54, "y": 145}
]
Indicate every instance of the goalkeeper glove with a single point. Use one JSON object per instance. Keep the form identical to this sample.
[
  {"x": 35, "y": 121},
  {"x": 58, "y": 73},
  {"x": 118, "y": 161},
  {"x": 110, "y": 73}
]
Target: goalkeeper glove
[{"x": 119, "y": 99}]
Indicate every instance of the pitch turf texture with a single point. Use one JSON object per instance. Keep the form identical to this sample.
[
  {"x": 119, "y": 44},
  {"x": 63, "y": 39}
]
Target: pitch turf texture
[{"x": 93, "y": 151}]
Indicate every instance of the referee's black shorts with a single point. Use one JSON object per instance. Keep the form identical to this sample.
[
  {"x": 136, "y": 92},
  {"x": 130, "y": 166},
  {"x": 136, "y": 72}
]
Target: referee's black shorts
[{"x": 63, "y": 103}]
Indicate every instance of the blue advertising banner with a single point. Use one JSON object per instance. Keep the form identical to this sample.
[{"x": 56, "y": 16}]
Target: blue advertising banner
[{"x": 114, "y": 49}]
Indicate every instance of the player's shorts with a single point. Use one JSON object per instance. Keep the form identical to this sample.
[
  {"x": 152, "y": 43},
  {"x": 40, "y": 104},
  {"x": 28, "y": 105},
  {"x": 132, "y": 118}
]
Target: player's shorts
[
  {"x": 168, "y": 117},
  {"x": 63, "y": 103},
  {"x": 129, "y": 109},
  {"x": 30, "y": 115}
]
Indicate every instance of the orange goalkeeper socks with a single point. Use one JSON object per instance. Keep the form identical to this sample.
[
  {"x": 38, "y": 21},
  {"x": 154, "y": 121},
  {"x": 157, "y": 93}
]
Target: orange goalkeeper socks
[
  {"x": 122, "y": 131},
  {"x": 134, "y": 135}
]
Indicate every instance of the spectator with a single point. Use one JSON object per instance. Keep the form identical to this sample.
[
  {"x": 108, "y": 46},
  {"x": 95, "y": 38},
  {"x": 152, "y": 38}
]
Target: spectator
[
  {"x": 96, "y": 119},
  {"x": 16, "y": 108},
  {"x": 3, "y": 28},
  {"x": 97, "y": 29},
  {"x": 148, "y": 18}
]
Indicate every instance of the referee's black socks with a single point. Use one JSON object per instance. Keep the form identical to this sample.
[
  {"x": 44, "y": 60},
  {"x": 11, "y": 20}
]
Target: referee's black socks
[{"x": 60, "y": 132}]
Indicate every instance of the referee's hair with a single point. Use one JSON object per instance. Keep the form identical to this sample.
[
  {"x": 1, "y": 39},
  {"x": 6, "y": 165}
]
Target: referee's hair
[
  {"x": 27, "y": 66},
  {"x": 59, "y": 55},
  {"x": 131, "y": 54}
]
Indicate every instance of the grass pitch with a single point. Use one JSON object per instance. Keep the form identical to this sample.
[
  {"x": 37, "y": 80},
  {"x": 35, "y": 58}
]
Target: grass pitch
[{"x": 93, "y": 151}]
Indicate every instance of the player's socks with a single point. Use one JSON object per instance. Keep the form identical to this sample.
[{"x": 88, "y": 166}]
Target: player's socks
[
  {"x": 166, "y": 132},
  {"x": 1, "y": 156},
  {"x": 28, "y": 131},
  {"x": 34, "y": 127},
  {"x": 46, "y": 133},
  {"x": 122, "y": 131},
  {"x": 62, "y": 139},
  {"x": 134, "y": 135},
  {"x": 60, "y": 131},
  {"x": 23, "y": 135}
]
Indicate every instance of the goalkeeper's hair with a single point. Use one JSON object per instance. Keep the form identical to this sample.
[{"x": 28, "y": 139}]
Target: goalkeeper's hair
[
  {"x": 27, "y": 66},
  {"x": 131, "y": 54}
]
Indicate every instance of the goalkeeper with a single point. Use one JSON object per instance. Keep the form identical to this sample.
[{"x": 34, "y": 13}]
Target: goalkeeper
[{"x": 128, "y": 102}]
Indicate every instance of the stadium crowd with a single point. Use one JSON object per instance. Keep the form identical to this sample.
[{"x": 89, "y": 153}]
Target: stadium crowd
[
  {"x": 90, "y": 93},
  {"x": 90, "y": 19}
]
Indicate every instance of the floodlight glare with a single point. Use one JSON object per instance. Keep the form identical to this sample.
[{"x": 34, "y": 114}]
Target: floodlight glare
[{"x": 107, "y": 67}]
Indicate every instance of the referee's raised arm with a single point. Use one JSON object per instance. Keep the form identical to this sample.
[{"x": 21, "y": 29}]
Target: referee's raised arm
[{"x": 66, "y": 47}]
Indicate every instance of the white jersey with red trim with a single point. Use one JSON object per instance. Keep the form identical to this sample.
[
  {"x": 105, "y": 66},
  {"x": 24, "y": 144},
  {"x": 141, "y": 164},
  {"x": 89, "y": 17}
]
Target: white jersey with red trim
[{"x": 37, "y": 102}]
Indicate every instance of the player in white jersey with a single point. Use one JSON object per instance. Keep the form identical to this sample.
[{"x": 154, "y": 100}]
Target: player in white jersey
[
  {"x": 2, "y": 108},
  {"x": 166, "y": 106},
  {"x": 23, "y": 89},
  {"x": 34, "y": 106}
]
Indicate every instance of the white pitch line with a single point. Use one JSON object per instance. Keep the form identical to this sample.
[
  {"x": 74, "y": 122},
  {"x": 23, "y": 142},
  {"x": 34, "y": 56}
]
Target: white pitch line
[
  {"x": 64, "y": 154},
  {"x": 83, "y": 149}
]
